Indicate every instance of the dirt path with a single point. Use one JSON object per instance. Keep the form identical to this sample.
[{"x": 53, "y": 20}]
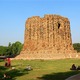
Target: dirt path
[{"x": 75, "y": 77}]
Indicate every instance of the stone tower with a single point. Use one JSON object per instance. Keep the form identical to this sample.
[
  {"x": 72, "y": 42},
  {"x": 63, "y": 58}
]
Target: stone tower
[{"x": 47, "y": 38}]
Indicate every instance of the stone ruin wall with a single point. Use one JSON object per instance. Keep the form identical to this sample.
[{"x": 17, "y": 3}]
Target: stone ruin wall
[
  {"x": 51, "y": 32},
  {"x": 48, "y": 35}
]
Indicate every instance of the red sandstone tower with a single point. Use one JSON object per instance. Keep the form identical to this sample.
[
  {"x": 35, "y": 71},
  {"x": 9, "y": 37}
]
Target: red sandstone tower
[{"x": 47, "y": 38}]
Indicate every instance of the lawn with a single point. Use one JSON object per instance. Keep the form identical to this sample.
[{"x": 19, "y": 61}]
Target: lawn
[{"x": 42, "y": 69}]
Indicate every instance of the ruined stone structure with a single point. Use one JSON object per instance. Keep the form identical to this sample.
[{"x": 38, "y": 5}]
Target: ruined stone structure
[{"x": 47, "y": 38}]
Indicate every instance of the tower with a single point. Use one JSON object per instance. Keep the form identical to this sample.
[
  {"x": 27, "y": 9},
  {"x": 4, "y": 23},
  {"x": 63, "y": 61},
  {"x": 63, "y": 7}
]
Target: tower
[{"x": 47, "y": 38}]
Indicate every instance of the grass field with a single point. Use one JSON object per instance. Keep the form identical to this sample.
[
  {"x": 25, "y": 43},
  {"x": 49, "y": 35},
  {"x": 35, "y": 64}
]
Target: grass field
[{"x": 42, "y": 69}]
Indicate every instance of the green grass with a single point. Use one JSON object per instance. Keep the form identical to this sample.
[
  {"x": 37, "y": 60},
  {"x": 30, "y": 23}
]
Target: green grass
[{"x": 42, "y": 69}]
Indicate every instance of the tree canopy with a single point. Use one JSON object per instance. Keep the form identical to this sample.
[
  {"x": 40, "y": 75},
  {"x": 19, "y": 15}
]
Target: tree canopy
[
  {"x": 11, "y": 49},
  {"x": 77, "y": 46}
]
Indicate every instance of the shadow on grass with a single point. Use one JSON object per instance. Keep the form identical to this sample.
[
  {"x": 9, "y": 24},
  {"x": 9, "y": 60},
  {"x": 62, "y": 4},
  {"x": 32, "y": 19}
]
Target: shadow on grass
[
  {"x": 16, "y": 73},
  {"x": 2, "y": 69},
  {"x": 58, "y": 76},
  {"x": 1, "y": 60},
  {"x": 11, "y": 73}
]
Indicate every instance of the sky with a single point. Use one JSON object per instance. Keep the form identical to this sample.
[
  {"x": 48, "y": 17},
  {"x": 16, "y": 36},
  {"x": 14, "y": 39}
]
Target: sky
[{"x": 14, "y": 13}]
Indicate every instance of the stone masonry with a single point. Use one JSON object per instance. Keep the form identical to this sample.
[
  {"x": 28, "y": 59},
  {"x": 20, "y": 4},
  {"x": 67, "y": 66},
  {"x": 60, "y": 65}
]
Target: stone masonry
[{"x": 47, "y": 38}]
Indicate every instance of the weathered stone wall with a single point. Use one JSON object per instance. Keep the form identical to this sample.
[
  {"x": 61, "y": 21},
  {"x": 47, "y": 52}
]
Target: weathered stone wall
[{"x": 48, "y": 35}]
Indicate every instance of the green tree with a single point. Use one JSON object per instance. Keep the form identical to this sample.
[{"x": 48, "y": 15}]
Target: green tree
[
  {"x": 77, "y": 46},
  {"x": 16, "y": 47},
  {"x": 3, "y": 50},
  {"x": 11, "y": 49}
]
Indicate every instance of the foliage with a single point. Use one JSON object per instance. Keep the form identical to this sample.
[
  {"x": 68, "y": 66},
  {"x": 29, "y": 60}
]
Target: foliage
[
  {"x": 77, "y": 46},
  {"x": 3, "y": 50},
  {"x": 16, "y": 47},
  {"x": 11, "y": 49}
]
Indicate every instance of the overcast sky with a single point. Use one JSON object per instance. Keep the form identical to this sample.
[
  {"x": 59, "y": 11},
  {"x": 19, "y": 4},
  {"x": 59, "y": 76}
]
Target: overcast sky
[{"x": 14, "y": 13}]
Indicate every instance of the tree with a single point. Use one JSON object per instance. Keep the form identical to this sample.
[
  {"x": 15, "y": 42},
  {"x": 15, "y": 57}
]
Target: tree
[
  {"x": 3, "y": 50},
  {"x": 77, "y": 46},
  {"x": 11, "y": 49},
  {"x": 16, "y": 47}
]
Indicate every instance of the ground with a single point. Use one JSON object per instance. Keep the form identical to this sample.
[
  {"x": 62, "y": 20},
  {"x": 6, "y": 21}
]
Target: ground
[{"x": 42, "y": 69}]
